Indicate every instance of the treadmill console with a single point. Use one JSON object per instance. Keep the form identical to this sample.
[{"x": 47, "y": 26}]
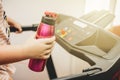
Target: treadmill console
[
  {"x": 81, "y": 37},
  {"x": 73, "y": 31}
]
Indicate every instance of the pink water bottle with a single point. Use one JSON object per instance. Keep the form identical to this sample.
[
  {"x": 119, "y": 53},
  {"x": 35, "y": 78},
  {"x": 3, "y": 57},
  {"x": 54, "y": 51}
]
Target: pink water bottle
[{"x": 45, "y": 29}]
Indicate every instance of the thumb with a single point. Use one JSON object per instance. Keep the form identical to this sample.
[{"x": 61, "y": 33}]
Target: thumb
[{"x": 49, "y": 40}]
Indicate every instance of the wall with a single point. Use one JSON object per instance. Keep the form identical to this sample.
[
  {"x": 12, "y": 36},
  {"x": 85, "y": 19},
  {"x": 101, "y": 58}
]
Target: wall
[
  {"x": 117, "y": 13},
  {"x": 30, "y": 11}
]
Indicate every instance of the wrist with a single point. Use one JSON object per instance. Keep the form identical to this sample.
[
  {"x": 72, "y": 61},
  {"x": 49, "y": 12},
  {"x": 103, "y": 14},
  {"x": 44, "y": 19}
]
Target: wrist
[{"x": 27, "y": 52}]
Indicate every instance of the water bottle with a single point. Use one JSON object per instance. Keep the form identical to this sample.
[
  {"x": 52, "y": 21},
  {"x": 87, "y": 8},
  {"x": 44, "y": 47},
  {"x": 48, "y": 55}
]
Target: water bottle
[{"x": 45, "y": 30}]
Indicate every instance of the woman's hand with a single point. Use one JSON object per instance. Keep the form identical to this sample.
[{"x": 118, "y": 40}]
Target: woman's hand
[
  {"x": 39, "y": 48},
  {"x": 14, "y": 24}
]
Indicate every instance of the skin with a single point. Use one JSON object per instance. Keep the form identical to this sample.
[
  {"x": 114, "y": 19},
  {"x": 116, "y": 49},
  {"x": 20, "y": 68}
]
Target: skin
[
  {"x": 35, "y": 49},
  {"x": 15, "y": 24}
]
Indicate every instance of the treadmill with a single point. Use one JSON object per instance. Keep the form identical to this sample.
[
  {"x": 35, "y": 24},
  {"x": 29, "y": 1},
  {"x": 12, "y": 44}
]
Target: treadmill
[{"x": 87, "y": 39}]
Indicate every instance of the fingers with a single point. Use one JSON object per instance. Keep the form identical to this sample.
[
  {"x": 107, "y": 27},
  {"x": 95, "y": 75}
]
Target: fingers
[
  {"x": 50, "y": 46},
  {"x": 50, "y": 14},
  {"x": 47, "y": 51},
  {"x": 41, "y": 47},
  {"x": 49, "y": 40},
  {"x": 46, "y": 54},
  {"x": 18, "y": 27},
  {"x": 19, "y": 30},
  {"x": 49, "y": 43}
]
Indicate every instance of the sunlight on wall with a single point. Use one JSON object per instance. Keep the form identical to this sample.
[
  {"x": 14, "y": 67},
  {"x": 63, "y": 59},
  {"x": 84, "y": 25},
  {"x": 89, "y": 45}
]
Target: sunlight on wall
[
  {"x": 109, "y": 5},
  {"x": 117, "y": 13},
  {"x": 96, "y": 5}
]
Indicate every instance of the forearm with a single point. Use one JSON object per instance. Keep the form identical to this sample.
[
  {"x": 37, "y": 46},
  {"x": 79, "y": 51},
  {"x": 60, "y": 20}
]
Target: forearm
[
  {"x": 10, "y": 54},
  {"x": 10, "y": 20},
  {"x": 36, "y": 49}
]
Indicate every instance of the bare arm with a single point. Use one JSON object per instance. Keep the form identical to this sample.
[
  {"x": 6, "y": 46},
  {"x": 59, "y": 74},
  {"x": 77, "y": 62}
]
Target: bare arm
[
  {"x": 37, "y": 49},
  {"x": 9, "y": 54}
]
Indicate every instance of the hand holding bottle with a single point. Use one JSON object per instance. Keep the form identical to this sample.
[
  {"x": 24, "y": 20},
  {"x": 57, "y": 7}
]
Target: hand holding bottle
[
  {"x": 45, "y": 30},
  {"x": 40, "y": 47}
]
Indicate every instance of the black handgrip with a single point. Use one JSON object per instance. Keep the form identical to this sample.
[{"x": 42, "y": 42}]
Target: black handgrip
[
  {"x": 92, "y": 69},
  {"x": 25, "y": 28}
]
